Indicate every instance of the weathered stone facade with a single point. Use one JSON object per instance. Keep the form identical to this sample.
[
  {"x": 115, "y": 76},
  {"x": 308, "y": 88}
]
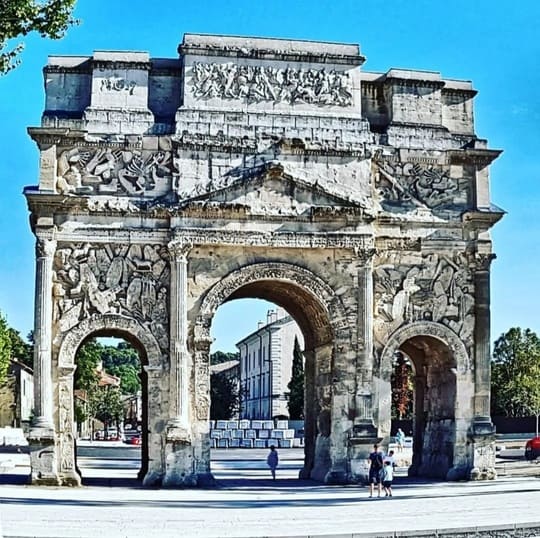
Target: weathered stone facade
[{"x": 271, "y": 169}]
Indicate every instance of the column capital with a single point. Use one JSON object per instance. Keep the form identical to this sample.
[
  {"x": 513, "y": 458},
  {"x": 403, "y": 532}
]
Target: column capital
[
  {"x": 364, "y": 255},
  {"x": 179, "y": 248},
  {"x": 45, "y": 247},
  {"x": 481, "y": 261}
]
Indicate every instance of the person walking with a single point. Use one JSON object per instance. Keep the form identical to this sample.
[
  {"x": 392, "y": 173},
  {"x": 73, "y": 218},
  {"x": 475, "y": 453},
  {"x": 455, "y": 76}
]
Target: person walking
[
  {"x": 272, "y": 460},
  {"x": 400, "y": 439},
  {"x": 375, "y": 469},
  {"x": 387, "y": 478}
]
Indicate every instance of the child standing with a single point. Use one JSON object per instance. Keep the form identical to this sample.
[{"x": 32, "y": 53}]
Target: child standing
[{"x": 388, "y": 476}]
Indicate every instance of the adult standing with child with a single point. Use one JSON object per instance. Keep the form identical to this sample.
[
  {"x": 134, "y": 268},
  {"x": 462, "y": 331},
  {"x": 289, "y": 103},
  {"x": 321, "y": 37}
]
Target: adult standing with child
[{"x": 375, "y": 469}]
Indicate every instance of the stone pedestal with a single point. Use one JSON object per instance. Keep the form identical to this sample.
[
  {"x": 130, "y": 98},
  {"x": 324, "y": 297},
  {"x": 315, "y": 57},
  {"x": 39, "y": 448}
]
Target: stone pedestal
[
  {"x": 43, "y": 460},
  {"x": 364, "y": 436},
  {"x": 482, "y": 439},
  {"x": 179, "y": 461}
]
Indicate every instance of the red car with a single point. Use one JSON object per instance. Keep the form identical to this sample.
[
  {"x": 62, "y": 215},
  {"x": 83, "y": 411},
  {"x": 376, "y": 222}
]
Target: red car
[
  {"x": 532, "y": 448},
  {"x": 135, "y": 440}
]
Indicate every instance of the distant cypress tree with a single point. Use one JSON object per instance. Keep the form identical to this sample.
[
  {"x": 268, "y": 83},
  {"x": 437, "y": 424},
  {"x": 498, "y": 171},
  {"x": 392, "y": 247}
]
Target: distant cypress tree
[
  {"x": 223, "y": 397},
  {"x": 402, "y": 388},
  {"x": 296, "y": 384}
]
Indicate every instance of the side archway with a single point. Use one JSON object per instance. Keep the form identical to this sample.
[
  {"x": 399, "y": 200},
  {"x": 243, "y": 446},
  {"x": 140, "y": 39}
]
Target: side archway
[
  {"x": 110, "y": 325},
  {"x": 443, "y": 392},
  {"x": 152, "y": 360}
]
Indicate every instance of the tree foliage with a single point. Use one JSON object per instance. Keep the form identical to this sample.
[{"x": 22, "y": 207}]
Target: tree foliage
[
  {"x": 21, "y": 350},
  {"x": 5, "y": 348},
  {"x": 296, "y": 384},
  {"x": 123, "y": 361},
  {"x": 105, "y": 404},
  {"x": 221, "y": 356},
  {"x": 223, "y": 397},
  {"x": 130, "y": 381},
  {"x": 402, "y": 388},
  {"x": 515, "y": 374},
  {"x": 88, "y": 359},
  {"x": 18, "y": 18}
]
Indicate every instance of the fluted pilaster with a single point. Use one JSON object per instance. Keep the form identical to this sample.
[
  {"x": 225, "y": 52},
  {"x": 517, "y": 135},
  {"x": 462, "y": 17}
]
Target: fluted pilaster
[{"x": 43, "y": 394}]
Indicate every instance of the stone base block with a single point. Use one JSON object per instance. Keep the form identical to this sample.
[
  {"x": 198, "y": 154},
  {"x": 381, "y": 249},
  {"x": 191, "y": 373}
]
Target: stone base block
[
  {"x": 43, "y": 458},
  {"x": 70, "y": 479},
  {"x": 152, "y": 479},
  {"x": 336, "y": 478},
  {"x": 206, "y": 480}
]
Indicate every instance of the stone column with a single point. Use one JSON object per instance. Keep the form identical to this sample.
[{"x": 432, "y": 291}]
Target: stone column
[
  {"x": 482, "y": 371},
  {"x": 179, "y": 374},
  {"x": 43, "y": 394},
  {"x": 364, "y": 366},
  {"x": 43, "y": 451},
  {"x": 482, "y": 433},
  {"x": 179, "y": 457},
  {"x": 364, "y": 433}
]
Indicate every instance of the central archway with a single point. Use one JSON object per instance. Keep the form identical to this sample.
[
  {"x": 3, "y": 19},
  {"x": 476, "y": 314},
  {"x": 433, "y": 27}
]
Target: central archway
[{"x": 321, "y": 317}]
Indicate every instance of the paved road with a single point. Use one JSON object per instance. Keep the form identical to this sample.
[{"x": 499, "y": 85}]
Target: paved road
[{"x": 249, "y": 504}]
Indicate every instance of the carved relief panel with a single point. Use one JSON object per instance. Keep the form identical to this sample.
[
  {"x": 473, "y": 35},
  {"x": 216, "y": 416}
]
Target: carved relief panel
[
  {"x": 257, "y": 83},
  {"x": 129, "y": 280},
  {"x": 133, "y": 172},
  {"x": 432, "y": 287},
  {"x": 418, "y": 185}
]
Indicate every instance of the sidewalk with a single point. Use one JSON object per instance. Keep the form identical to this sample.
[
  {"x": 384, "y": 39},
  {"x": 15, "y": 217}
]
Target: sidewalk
[
  {"x": 266, "y": 509},
  {"x": 248, "y": 504}
]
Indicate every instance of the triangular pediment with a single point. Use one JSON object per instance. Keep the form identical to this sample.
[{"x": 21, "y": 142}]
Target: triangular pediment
[{"x": 268, "y": 189}]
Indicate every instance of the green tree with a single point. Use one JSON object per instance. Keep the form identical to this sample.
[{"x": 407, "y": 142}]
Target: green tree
[
  {"x": 402, "y": 388},
  {"x": 20, "y": 349},
  {"x": 130, "y": 381},
  {"x": 296, "y": 384},
  {"x": 515, "y": 374},
  {"x": 123, "y": 361},
  {"x": 88, "y": 359},
  {"x": 105, "y": 404},
  {"x": 5, "y": 348},
  {"x": 223, "y": 397},
  {"x": 18, "y": 18},
  {"x": 122, "y": 354},
  {"x": 220, "y": 356}
]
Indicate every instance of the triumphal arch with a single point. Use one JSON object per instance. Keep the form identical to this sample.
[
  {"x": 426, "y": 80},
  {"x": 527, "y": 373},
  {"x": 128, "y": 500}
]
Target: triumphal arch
[{"x": 275, "y": 169}]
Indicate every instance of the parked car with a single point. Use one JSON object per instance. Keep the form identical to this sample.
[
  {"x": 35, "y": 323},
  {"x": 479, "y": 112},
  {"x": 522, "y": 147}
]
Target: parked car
[
  {"x": 135, "y": 440},
  {"x": 532, "y": 448}
]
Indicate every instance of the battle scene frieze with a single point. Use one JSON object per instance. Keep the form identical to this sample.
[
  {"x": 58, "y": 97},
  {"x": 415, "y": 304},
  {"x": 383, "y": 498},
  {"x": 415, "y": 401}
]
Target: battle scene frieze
[
  {"x": 320, "y": 87},
  {"x": 113, "y": 171},
  {"x": 417, "y": 185},
  {"x": 433, "y": 287},
  {"x": 129, "y": 280}
]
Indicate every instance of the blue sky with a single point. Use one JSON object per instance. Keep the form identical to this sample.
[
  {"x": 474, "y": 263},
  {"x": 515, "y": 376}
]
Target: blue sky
[{"x": 493, "y": 43}]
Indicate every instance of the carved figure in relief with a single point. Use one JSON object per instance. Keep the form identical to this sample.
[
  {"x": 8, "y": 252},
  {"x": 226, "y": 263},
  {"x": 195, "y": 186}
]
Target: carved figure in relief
[
  {"x": 435, "y": 289},
  {"x": 266, "y": 83},
  {"x": 105, "y": 279},
  {"x": 414, "y": 185},
  {"x": 106, "y": 171}
]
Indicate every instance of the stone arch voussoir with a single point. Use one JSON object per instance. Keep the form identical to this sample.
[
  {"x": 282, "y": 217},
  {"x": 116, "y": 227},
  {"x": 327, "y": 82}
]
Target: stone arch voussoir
[
  {"x": 426, "y": 328},
  {"x": 298, "y": 276},
  {"x": 109, "y": 322}
]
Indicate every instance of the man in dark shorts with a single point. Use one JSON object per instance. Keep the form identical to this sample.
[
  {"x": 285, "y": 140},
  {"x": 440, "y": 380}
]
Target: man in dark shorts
[{"x": 375, "y": 469}]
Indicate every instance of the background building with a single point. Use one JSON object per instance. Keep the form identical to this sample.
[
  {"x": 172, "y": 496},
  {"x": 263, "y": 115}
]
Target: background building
[
  {"x": 266, "y": 366},
  {"x": 17, "y": 396}
]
